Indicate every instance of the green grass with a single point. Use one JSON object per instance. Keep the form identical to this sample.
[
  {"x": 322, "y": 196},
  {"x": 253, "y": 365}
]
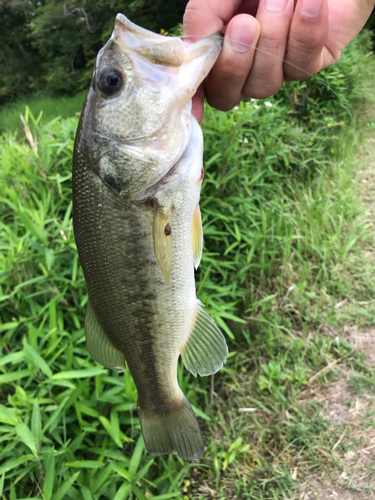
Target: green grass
[
  {"x": 284, "y": 244},
  {"x": 50, "y": 107}
]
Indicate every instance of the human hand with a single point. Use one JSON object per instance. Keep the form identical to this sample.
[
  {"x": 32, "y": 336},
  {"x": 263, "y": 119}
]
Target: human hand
[{"x": 286, "y": 40}]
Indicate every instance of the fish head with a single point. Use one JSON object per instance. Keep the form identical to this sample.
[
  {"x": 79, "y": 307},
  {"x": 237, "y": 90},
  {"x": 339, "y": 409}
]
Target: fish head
[{"x": 138, "y": 109}]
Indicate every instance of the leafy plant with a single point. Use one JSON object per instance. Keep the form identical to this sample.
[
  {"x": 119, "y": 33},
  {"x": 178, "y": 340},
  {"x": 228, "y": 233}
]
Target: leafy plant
[{"x": 273, "y": 375}]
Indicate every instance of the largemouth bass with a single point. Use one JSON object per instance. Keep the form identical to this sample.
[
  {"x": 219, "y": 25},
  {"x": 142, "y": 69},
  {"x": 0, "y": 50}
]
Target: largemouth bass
[{"x": 137, "y": 176}]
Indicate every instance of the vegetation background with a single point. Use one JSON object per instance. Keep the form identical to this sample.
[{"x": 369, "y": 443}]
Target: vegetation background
[
  {"x": 287, "y": 269},
  {"x": 50, "y": 46}
]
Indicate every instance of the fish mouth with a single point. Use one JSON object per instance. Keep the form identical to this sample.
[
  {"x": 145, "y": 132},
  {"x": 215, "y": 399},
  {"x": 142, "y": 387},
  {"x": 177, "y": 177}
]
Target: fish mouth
[
  {"x": 158, "y": 49},
  {"x": 183, "y": 64}
]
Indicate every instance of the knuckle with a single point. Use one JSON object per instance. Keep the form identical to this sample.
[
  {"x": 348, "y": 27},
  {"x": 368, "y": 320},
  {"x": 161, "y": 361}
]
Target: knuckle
[
  {"x": 336, "y": 55},
  {"x": 227, "y": 74},
  {"x": 270, "y": 44},
  {"x": 193, "y": 12},
  {"x": 231, "y": 75},
  {"x": 262, "y": 90},
  {"x": 307, "y": 42}
]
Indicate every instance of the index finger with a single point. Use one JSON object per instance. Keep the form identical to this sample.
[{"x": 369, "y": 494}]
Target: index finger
[{"x": 205, "y": 17}]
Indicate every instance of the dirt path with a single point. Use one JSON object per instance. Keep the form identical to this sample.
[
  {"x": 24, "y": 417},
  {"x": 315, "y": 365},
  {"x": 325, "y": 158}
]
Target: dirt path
[{"x": 351, "y": 411}]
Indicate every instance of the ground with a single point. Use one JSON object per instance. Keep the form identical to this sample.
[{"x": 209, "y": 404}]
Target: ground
[{"x": 351, "y": 410}]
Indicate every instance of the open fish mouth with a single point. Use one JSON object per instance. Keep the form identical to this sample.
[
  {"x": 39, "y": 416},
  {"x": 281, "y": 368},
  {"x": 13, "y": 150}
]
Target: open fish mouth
[
  {"x": 171, "y": 52},
  {"x": 165, "y": 74}
]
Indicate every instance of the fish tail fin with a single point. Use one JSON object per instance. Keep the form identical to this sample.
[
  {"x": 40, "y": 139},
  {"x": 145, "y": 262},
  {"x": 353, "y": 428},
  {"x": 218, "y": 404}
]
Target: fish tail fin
[{"x": 175, "y": 430}]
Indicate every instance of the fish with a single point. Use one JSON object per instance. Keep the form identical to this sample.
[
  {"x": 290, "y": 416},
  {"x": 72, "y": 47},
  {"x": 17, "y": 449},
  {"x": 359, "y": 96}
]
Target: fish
[{"x": 137, "y": 176}]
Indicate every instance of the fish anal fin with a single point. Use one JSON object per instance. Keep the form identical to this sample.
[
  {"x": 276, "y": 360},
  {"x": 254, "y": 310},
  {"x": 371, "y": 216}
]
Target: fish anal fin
[
  {"x": 163, "y": 240},
  {"x": 99, "y": 345},
  {"x": 175, "y": 430},
  {"x": 197, "y": 237},
  {"x": 205, "y": 351}
]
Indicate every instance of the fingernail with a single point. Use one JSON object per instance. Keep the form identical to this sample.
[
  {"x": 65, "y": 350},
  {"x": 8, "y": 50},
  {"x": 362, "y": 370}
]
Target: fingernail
[
  {"x": 275, "y": 5},
  {"x": 311, "y": 8},
  {"x": 241, "y": 37}
]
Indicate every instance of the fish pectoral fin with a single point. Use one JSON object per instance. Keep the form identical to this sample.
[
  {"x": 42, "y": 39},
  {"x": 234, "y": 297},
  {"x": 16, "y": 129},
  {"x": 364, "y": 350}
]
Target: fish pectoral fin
[
  {"x": 99, "y": 345},
  {"x": 163, "y": 240},
  {"x": 197, "y": 237},
  {"x": 206, "y": 351}
]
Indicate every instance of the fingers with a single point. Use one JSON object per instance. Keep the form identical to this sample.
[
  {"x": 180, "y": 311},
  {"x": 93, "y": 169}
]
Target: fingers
[
  {"x": 291, "y": 44},
  {"x": 286, "y": 41},
  {"x": 266, "y": 75},
  {"x": 205, "y": 17},
  {"x": 226, "y": 80},
  {"x": 308, "y": 34}
]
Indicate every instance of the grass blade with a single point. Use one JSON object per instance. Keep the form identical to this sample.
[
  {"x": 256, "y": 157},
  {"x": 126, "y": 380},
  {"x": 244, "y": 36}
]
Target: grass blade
[
  {"x": 60, "y": 493},
  {"x": 26, "y": 436},
  {"x": 53, "y": 421},
  {"x": 123, "y": 492},
  {"x": 85, "y": 464},
  {"x": 14, "y": 376},
  {"x": 85, "y": 373},
  {"x": 108, "y": 427},
  {"x": 50, "y": 476},
  {"x": 36, "y": 423},
  {"x": 137, "y": 455},
  {"x": 37, "y": 359},
  {"x": 8, "y": 416},
  {"x": 12, "y": 464},
  {"x": 86, "y": 494}
]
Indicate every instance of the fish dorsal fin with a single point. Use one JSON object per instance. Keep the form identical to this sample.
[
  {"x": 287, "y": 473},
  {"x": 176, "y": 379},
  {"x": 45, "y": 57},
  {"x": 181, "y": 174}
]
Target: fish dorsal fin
[
  {"x": 163, "y": 240},
  {"x": 197, "y": 236},
  {"x": 99, "y": 345},
  {"x": 206, "y": 351}
]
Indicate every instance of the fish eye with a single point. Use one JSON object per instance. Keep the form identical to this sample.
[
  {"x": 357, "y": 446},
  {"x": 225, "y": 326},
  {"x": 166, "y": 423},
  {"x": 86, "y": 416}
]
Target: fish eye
[{"x": 110, "y": 81}]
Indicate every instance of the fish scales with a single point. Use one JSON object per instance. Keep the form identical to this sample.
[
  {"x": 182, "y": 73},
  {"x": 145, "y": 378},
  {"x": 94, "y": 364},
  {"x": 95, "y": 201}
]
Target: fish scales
[
  {"x": 136, "y": 189},
  {"x": 112, "y": 233}
]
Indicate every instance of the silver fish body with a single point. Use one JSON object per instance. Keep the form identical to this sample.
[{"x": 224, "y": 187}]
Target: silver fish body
[{"x": 137, "y": 177}]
